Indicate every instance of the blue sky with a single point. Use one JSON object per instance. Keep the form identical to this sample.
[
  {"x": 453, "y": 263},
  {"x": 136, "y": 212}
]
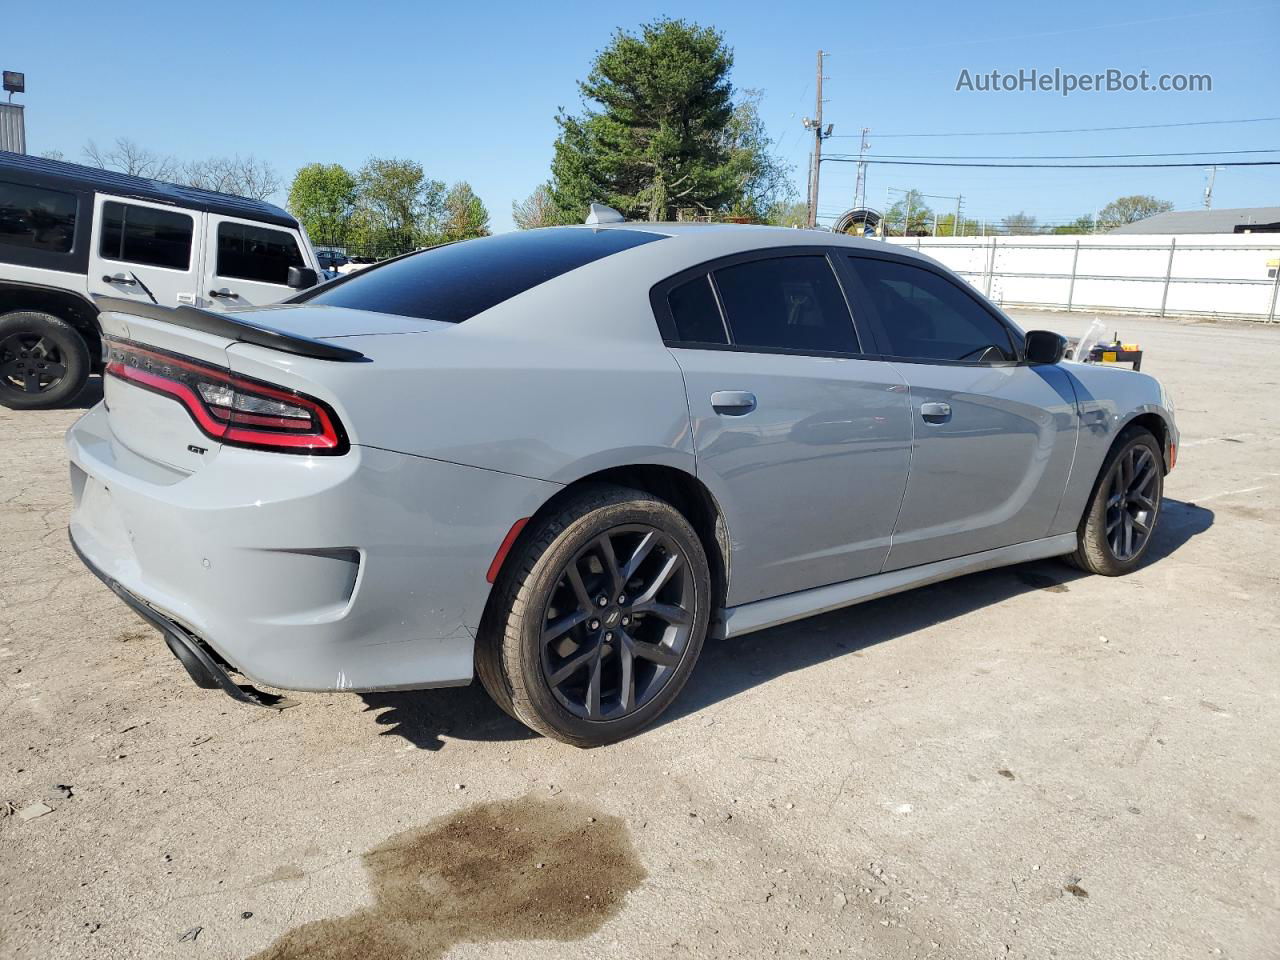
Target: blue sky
[{"x": 470, "y": 90}]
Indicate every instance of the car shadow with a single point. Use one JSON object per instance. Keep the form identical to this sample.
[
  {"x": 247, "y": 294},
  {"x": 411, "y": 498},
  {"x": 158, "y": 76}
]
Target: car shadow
[
  {"x": 423, "y": 717},
  {"x": 88, "y": 396},
  {"x": 729, "y": 667}
]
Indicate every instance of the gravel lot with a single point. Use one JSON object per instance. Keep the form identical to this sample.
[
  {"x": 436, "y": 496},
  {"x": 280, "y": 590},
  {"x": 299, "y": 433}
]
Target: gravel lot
[{"x": 1026, "y": 762}]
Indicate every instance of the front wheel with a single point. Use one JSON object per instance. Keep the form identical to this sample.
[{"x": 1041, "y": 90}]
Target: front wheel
[
  {"x": 598, "y": 617},
  {"x": 1121, "y": 518}
]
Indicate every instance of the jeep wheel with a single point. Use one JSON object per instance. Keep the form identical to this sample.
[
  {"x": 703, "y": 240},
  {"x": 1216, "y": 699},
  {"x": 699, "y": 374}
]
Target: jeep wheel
[{"x": 43, "y": 360}]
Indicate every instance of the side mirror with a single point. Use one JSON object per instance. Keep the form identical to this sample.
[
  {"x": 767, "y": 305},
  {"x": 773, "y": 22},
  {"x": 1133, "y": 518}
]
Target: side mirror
[
  {"x": 300, "y": 278},
  {"x": 1044, "y": 346}
]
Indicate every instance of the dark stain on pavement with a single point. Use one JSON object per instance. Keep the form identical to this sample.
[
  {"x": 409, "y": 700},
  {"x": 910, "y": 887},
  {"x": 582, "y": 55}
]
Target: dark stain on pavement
[{"x": 523, "y": 869}]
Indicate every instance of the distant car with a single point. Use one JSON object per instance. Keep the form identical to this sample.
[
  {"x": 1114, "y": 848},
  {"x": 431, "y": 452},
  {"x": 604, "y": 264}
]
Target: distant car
[
  {"x": 331, "y": 260},
  {"x": 355, "y": 263},
  {"x": 70, "y": 233},
  {"x": 561, "y": 457}
]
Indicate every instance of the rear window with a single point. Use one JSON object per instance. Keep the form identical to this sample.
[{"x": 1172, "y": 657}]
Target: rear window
[
  {"x": 145, "y": 235},
  {"x": 455, "y": 282},
  {"x": 37, "y": 218}
]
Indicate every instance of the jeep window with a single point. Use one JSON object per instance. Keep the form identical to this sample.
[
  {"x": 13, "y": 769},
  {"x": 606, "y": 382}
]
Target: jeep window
[
  {"x": 455, "y": 282},
  {"x": 145, "y": 235},
  {"x": 247, "y": 252},
  {"x": 37, "y": 218}
]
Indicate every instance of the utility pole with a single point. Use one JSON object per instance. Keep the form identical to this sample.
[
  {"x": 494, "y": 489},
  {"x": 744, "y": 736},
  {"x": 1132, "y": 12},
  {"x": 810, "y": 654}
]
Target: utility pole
[
  {"x": 860, "y": 187},
  {"x": 819, "y": 135},
  {"x": 955, "y": 227},
  {"x": 1208, "y": 190}
]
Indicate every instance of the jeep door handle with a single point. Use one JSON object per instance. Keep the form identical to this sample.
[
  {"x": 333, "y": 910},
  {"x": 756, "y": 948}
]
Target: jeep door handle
[
  {"x": 120, "y": 278},
  {"x": 935, "y": 412},
  {"x": 733, "y": 403},
  {"x": 224, "y": 292}
]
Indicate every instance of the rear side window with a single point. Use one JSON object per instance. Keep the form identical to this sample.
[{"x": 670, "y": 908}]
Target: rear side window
[
  {"x": 789, "y": 303},
  {"x": 246, "y": 252},
  {"x": 157, "y": 238},
  {"x": 697, "y": 316},
  {"x": 922, "y": 316},
  {"x": 36, "y": 218},
  {"x": 455, "y": 282}
]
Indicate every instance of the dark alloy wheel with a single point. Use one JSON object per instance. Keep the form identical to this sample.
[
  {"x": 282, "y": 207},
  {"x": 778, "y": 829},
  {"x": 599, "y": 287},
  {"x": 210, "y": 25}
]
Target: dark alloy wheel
[
  {"x": 44, "y": 361},
  {"x": 597, "y": 617},
  {"x": 617, "y": 623},
  {"x": 1116, "y": 530},
  {"x": 1131, "y": 501}
]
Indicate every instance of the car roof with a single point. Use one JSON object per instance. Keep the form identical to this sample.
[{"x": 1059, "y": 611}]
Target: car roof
[{"x": 40, "y": 171}]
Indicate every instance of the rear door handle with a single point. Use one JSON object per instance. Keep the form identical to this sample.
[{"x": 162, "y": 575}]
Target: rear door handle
[
  {"x": 935, "y": 412},
  {"x": 733, "y": 403},
  {"x": 224, "y": 292},
  {"x": 121, "y": 279}
]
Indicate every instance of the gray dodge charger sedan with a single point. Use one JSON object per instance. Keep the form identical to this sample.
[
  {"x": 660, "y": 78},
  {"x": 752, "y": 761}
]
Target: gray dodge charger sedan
[{"x": 560, "y": 458}]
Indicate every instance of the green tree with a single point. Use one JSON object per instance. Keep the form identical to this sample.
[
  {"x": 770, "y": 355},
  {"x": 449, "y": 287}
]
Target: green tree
[
  {"x": 909, "y": 217},
  {"x": 323, "y": 198},
  {"x": 654, "y": 136},
  {"x": 398, "y": 208},
  {"x": 465, "y": 215},
  {"x": 788, "y": 214},
  {"x": 1131, "y": 209},
  {"x": 1083, "y": 224}
]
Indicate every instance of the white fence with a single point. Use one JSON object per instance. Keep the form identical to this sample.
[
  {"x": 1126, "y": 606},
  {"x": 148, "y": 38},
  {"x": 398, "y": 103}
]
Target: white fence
[{"x": 1221, "y": 275}]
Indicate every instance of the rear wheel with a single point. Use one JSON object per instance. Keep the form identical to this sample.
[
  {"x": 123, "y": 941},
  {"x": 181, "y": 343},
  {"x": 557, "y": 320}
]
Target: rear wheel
[
  {"x": 598, "y": 618},
  {"x": 44, "y": 362},
  {"x": 1118, "y": 525}
]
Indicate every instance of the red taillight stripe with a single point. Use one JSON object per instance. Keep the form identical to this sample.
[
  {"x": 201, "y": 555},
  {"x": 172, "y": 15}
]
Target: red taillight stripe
[
  {"x": 504, "y": 548},
  {"x": 321, "y": 433}
]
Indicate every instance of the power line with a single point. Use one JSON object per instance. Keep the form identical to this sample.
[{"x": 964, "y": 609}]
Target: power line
[
  {"x": 1052, "y": 156},
  {"x": 1057, "y": 166},
  {"x": 1028, "y": 133}
]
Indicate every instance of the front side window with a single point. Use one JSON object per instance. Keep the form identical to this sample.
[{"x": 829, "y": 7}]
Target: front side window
[
  {"x": 923, "y": 316},
  {"x": 246, "y": 252},
  {"x": 36, "y": 218},
  {"x": 156, "y": 238},
  {"x": 788, "y": 303}
]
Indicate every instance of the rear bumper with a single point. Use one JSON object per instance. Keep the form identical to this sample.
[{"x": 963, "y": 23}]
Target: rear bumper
[{"x": 360, "y": 572}]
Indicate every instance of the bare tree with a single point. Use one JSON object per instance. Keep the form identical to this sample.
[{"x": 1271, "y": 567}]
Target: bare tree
[
  {"x": 129, "y": 157},
  {"x": 536, "y": 210},
  {"x": 1019, "y": 224},
  {"x": 243, "y": 176}
]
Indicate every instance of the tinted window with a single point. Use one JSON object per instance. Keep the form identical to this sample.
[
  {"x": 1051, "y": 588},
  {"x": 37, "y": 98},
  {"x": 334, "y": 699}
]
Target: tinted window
[
  {"x": 256, "y": 253},
  {"x": 457, "y": 281},
  {"x": 697, "y": 317},
  {"x": 157, "y": 238},
  {"x": 791, "y": 303},
  {"x": 926, "y": 317},
  {"x": 37, "y": 218}
]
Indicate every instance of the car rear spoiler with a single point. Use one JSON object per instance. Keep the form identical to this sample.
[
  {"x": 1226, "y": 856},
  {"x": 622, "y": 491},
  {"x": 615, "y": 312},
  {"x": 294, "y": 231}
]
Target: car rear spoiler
[{"x": 231, "y": 327}]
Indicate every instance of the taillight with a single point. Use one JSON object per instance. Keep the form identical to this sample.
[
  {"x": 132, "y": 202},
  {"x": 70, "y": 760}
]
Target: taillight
[{"x": 228, "y": 407}]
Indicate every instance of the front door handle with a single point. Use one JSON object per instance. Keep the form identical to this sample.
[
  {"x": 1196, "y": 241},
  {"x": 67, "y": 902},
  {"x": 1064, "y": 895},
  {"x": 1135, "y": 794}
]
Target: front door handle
[
  {"x": 935, "y": 412},
  {"x": 733, "y": 403},
  {"x": 224, "y": 292},
  {"x": 121, "y": 279}
]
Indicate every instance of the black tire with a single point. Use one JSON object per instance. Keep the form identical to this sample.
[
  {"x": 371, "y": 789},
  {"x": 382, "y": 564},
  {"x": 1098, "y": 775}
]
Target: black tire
[
  {"x": 516, "y": 662},
  {"x": 44, "y": 361},
  {"x": 1101, "y": 544}
]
